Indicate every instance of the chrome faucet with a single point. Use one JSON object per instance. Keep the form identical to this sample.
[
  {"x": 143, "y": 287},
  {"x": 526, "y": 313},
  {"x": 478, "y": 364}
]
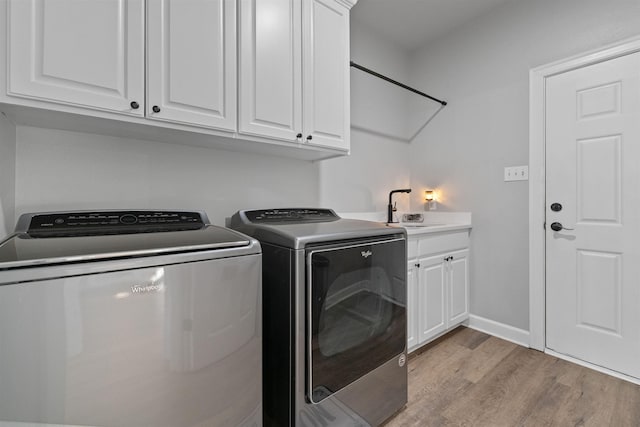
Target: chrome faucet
[{"x": 390, "y": 207}]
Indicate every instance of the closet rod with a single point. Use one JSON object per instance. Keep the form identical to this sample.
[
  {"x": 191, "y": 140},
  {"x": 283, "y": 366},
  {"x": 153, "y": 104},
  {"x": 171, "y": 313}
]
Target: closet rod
[{"x": 397, "y": 83}]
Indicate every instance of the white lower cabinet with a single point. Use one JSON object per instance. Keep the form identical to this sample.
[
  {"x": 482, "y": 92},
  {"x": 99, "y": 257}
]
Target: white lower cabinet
[{"x": 438, "y": 285}]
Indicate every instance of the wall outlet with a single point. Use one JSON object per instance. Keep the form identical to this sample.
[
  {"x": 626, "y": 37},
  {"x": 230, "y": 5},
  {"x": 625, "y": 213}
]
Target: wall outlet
[{"x": 516, "y": 173}]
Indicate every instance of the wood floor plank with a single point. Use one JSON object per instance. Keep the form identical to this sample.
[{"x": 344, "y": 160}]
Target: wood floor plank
[
  {"x": 486, "y": 357},
  {"x": 501, "y": 396},
  {"x": 471, "y": 379},
  {"x": 627, "y": 407},
  {"x": 546, "y": 411},
  {"x": 468, "y": 338},
  {"x": 431, "y": 370},
  {"x": 594, "y": 402}
]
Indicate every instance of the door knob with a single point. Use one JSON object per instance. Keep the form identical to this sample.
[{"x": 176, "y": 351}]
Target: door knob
[
  {"x": 556, "y": 207},
  {"x": 556, "y": 226},
  {"x": 156, "y": 109}
]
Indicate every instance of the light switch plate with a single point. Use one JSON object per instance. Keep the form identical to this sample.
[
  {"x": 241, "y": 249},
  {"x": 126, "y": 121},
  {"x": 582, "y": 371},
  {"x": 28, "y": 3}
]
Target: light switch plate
[{"x": 516, "y": 173}]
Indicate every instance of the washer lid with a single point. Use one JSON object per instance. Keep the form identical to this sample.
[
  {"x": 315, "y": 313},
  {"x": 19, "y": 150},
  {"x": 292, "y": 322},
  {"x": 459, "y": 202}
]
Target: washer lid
[{"x": 22, "y": 250}]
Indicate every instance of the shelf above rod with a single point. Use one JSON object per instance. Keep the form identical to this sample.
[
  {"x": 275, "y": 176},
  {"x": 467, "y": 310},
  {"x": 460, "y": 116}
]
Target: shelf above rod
[{"x": 395, "y": 82}]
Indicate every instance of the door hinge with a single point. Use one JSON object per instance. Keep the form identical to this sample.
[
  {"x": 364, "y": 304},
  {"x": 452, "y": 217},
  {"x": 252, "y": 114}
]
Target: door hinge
[{"x": 544, "y": 225}]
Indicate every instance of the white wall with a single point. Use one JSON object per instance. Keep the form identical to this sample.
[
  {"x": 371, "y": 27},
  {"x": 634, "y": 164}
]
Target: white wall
[
  {"x": 61, "y": 170},
  {"x": 7, "y": 175},
  {"x": 379, "y": 148},
  {"x": 482, "y": 70}
]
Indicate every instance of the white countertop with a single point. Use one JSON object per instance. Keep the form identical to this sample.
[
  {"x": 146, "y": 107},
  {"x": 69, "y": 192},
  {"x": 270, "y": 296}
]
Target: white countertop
[{"x": 434, "y": 222}]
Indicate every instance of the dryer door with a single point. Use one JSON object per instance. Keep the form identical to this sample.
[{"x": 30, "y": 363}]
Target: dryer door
[{"x": 356, "y": 312}]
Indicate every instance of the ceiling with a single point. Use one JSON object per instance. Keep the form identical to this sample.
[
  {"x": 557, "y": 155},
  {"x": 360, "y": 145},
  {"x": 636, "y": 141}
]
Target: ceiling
[{"x": 412, "y": 23}]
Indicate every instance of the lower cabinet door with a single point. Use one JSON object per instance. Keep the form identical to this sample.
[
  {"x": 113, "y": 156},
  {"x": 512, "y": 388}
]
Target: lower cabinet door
[
  {"x": 458, "y": 287},
  {"x": 413, "y": 306},
  {"x": 432, "y": 297}
]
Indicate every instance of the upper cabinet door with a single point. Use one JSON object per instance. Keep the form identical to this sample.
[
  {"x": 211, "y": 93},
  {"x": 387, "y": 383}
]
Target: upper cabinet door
[
  {"x": 191, "y": 74},
  {"x": 78, "y": 52},
  {"x": 270, "y": 68},
  {"x": 326, "y": 73}
]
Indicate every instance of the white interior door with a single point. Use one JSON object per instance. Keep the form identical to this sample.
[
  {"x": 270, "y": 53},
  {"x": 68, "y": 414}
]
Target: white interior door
[{"x": 593, "y": 172}]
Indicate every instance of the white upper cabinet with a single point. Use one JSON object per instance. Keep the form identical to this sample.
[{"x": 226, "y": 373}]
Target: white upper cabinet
[
  {"x": 270, "y": 68},
  {"x": 326, "y": 73},
  {"x": 92, "y": 54},
  {"x": 86, "y": 53},
  {"x": 274, "y": 72},
  {"x": 191, "y": 65},
  {"x": 294, "y": 71}
]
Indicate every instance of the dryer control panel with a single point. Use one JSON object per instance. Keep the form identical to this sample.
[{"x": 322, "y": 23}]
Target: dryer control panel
[{"x": 287, "y": 215}]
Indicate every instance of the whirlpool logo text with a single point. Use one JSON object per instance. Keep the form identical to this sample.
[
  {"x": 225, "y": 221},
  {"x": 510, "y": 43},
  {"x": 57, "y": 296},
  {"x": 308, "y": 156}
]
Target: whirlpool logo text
[{"x": 142, "y": 289}]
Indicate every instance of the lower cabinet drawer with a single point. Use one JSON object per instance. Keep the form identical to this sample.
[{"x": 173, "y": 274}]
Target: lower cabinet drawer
[
  {"x": 442, "y": 242},
  {"x": 412, "y": 247}
]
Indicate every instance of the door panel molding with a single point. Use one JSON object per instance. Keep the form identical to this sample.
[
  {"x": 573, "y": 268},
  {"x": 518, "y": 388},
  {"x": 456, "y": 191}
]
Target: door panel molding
[{"x": 537, "y": 178}]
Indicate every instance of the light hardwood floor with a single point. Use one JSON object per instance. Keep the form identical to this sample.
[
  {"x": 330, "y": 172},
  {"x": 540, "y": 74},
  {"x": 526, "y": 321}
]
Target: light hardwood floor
[{"x": 469, "y": 378}]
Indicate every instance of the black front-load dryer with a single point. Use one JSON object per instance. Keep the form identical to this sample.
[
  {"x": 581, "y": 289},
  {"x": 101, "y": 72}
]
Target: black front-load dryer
[{"x": 334, "y": 317}]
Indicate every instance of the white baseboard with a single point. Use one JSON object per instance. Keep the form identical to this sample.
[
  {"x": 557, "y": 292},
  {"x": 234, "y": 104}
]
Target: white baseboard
[{"x": 500, "y": 330}]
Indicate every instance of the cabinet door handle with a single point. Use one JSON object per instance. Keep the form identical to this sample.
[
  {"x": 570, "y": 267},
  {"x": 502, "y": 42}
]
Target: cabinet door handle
[
  {"x": 299, "y": 136},
  {"x": 155, "y": 109},
  {"x": 134, "y": 105},
  {"x": 309, "y": 137},
  {"x": 417, "y": 265}
]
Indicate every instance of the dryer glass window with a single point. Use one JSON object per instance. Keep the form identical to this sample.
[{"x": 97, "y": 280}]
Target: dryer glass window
[{"x": 357, "y": 312}]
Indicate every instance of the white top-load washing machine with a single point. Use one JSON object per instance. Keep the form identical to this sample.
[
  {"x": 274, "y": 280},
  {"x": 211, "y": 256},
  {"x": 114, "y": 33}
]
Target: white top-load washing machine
[{"x": 129, "y": 318}]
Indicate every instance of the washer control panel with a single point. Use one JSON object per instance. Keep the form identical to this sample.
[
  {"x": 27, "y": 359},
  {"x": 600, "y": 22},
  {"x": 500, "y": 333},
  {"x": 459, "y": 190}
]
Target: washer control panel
[
  {"x": 60, "y": 224},
  {"x": 291, "y": 215}
]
